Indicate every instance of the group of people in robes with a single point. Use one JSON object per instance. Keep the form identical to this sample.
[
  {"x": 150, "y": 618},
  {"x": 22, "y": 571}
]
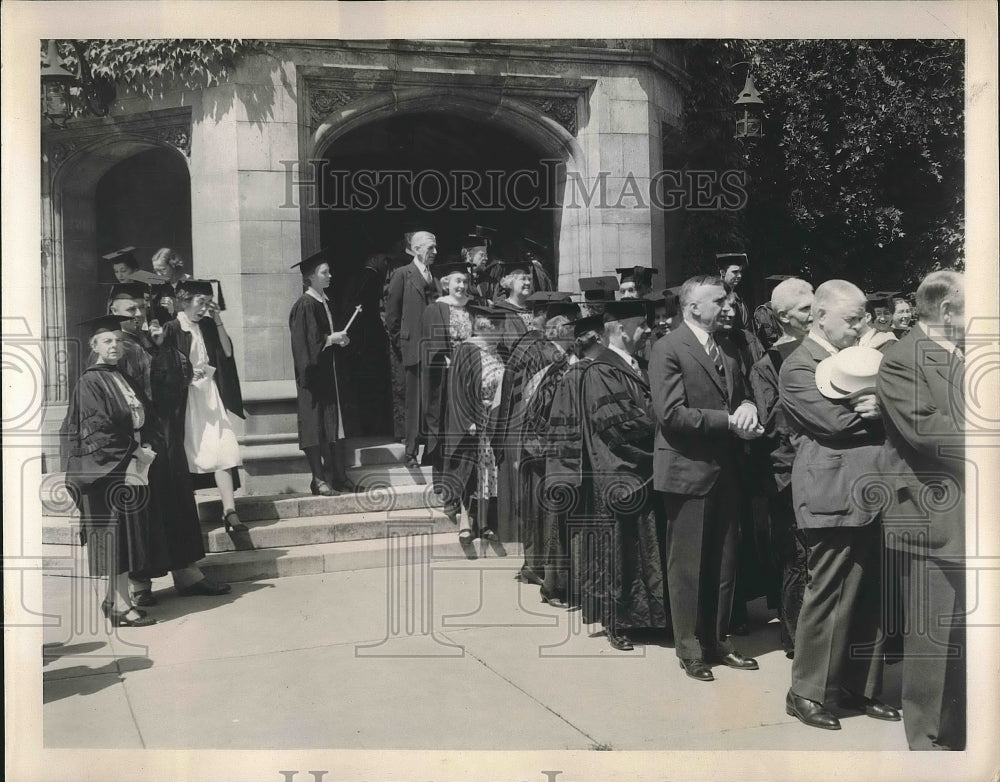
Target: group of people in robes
[{"x": 148, "y": 424}]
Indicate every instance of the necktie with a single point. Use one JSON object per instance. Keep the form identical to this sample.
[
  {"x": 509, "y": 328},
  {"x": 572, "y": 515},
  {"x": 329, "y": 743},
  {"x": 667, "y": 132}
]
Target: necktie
[{"x": 716, "y": 355}]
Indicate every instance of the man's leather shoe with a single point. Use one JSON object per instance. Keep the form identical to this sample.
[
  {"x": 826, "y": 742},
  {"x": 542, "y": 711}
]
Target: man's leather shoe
[
  {"x": 736, "y": 660},
  {"x": 872, "y": 707},
  {"x": 697, "y": 669},
  {"x": 619, "y": 641},
  {"x": 810, "y": 712},
  {"x": 204, "y": 587}
]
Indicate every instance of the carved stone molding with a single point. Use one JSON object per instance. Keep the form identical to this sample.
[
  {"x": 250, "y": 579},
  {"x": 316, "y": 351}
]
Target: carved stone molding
[
  {"x": 171, "y": 127},
  {"x": 324, "y": 101},
  {"x": 562, "y": 110}
]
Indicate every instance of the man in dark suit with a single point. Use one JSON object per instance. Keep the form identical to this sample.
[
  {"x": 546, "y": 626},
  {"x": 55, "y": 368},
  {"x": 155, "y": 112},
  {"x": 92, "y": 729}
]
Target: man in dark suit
[
  {"x": 920, "y": 388},
  {"x": 838, "y": 641},
  {"x": 411, "y": 289},
  {"x": 700, "y": 403}
]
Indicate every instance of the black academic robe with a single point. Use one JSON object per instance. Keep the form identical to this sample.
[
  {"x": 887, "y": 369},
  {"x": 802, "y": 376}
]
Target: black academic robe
[
  {"x": 120, "y": 524},
  {"x": 435, "y": 353},
  {"x": 465, "y": 408},
  {"x": 540, "y": 531},
  {"x": 526, "y": 356},
  {"x": 317, "y": 404},
  {"x": 226, "y": 379},
  {"x": 512, "y": 328},
  {"x": 624, "y": 585},
  {"x": 565, "y": 467}
]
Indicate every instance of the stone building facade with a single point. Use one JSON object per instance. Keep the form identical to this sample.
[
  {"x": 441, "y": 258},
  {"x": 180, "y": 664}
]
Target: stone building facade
[{"x": 223, "y": 174}]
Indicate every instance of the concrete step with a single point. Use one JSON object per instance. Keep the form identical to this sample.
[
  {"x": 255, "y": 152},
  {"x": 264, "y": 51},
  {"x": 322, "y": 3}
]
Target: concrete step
[
  {"x": 377, "y": 497},
  {"x": 288, "y": 532},
  {"x": 444, "y": 549},
  {"x": 350, "y": 555}
]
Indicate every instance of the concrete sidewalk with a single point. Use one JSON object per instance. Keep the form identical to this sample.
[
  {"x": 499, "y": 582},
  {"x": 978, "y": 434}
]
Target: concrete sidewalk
[{"x": 312, "y": 662}]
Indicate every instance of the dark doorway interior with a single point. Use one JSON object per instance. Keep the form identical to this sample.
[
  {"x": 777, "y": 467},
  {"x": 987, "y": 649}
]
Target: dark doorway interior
[
  {"x": 420, "y": 144},
  {"x": 143, "y": 201}
]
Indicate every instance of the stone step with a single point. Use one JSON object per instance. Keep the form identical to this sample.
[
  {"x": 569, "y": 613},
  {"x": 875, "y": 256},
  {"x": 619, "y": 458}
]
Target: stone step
[
  {"x": 287, "y": 532},
  {"x": 378, "y": 497},
  {"x": 350, "y": 555},
  {"x": 303, "y": 560}
]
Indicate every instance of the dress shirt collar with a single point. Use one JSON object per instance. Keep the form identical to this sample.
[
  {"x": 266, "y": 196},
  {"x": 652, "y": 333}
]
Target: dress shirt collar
[
  {"x": 941, "y": 339},
  {"x": 817, "y": 336},
  {"x": 627, "y": 358},
  {"x": 321, "y": 297},
  {"x": 699, "y": 332},
  {"x": 421, "y": 268}
]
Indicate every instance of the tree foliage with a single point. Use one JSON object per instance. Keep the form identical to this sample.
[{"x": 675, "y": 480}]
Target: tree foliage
[
  {"x": 860, "y": 173},
  {"x": 145, "y": 66}
]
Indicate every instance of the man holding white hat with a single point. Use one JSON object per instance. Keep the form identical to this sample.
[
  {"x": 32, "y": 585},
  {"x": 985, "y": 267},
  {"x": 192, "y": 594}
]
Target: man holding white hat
[{"x": 834, "y": 415}]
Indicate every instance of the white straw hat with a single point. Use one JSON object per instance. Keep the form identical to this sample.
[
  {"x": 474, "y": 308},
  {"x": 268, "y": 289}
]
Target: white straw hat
[{"x": 848, "y": 373}]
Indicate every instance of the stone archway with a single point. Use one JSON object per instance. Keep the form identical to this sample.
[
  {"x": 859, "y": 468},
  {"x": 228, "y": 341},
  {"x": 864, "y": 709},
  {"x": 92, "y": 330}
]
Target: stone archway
[
  {"x": 543, "y": 113},
  {"x": 74, "y": 163}
]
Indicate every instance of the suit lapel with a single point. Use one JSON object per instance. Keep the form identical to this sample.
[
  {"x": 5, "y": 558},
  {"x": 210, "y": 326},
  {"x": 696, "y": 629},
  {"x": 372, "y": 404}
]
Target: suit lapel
[{"x": 701, "y": 356}]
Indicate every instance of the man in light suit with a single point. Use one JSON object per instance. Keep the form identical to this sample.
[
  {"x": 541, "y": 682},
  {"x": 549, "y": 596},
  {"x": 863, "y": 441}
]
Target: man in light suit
[
  {"x": 411, "y": 289},
  {"x": 838, "y": 641},
  {"x": 701, "y": 406},
  {"x": 920, "y": 389}
]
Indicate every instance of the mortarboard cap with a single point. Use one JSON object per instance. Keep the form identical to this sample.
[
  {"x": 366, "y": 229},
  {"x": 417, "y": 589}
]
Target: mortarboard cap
[
  {"x": 642, "y": 275},
  {"x": 598, "y": 288},
  {"x": 479, "y": 236},
  {"x": 127, "y": 290},
  {"x": 440, "y": 270},
  {"x": 888, "y": 294},
  {"x": 103, "y": 323},
  {"x": 540, "y": 300},
  {"x": 477, "y": 309},
  {"x": 196, "y": 287},
  {"x": 124, "y": 255},
  {"x": 562, "y": 307},
  {"x": 148, "y": 278},
  {"x": 723, "y": 260},
  {"x": 510, "y": 267},
  {"x": 774, "y": 279},
  {"x": 590, "y": 323},
  {"x": 308, "y": 265},
  {"x": 626, "y": 308}
]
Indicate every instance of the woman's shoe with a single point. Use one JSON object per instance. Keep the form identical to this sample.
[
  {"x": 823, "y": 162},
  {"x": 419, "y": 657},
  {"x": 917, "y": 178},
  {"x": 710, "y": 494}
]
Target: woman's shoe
[
  {"x": 321, "y": 487},
  {"x": 106, "y": 610},
  {"x": 488, "y": 534},
  {"x": 465, "y": 537},
  {"x": 144, "y": 597},
  {"x": 120, "y": 618},
  {"x": 233, "y": 523}
]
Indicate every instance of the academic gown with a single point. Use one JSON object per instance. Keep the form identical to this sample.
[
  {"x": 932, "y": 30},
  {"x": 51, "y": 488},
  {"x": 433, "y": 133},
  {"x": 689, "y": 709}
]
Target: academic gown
[
  {"x": 464, "y": 409},
  {"x": 537, "y": 523},
  {"x": 526, "y": 356},
  {"x": 623, "y": 584},
  {"x": 226, "y": 379},
  {"x": 120, "y": 524},
  {"x": 317, "y": 401}
]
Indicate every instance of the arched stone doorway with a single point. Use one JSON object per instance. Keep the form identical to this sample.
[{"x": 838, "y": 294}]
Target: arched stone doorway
[
  {"x": 116, "y": 191},
  {"x": 437, "y": 171}
]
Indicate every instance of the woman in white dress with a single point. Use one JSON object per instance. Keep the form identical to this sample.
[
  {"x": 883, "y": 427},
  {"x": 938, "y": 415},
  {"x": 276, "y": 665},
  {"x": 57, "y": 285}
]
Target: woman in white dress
[{"x": 202, "y": 419}]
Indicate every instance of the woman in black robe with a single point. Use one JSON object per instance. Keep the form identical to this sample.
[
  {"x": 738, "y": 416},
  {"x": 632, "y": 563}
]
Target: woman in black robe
[
  {"x": 473, "y": 399},
  {"x": 446, "y": 324},
  {"x": 109, "y": 440},
  {"x": 321, "y": 429}
]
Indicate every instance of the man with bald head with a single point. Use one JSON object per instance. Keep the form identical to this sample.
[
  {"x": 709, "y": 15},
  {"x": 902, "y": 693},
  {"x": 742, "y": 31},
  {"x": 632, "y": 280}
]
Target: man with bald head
[
  {"x": 411, "y": 289},
  {"x": 838, "y": 641}
]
